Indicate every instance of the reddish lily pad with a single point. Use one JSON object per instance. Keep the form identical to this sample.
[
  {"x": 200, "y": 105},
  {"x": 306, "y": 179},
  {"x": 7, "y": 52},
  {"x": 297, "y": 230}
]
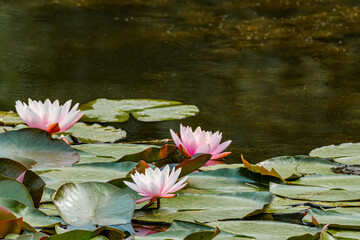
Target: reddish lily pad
[{"x": 10, "y": 226}]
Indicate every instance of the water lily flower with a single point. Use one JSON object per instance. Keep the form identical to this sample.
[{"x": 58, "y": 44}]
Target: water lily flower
[
  {"x": 156, "y": 184},
  {"x": 200, "y": 141},
  {"x": 49, "y": 116}
]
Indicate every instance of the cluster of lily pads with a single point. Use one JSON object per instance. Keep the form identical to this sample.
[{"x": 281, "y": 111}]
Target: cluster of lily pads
[{"x": 89, "y": 185}]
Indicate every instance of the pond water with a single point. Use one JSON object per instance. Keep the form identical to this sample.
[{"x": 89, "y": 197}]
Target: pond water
[{"x": 277, "y": 77}]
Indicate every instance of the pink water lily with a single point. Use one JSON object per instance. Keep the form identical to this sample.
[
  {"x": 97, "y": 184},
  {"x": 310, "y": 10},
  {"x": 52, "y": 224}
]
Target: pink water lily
[
  {"x": 156, "y": 184},
  {"x": 200, "y": 141},
  {"x": 48, "y": 116}
]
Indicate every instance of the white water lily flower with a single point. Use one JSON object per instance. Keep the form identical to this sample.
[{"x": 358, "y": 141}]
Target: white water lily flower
[
  {"x": 48, "y": 116},
  {"x": 156, "y": 183}
]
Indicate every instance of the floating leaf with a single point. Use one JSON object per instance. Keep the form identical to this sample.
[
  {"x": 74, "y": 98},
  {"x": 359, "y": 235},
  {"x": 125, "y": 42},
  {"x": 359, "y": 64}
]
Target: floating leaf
[
  {"x": 313, "y": 193},
  {"x": 98, "y": 203},
  {"x": 331, "y": 181},
  {"x": 151, "y": 154},
  {"x": 140, "y": 168},
  {"x": 265, "y": 230},
  {"x": 31, "y": 215},
  {"x": 108, "y": 152},
  {"x": 290, "y": 168},
  {"x": 10, "y": 168},
  {"x": 262, "y": 170},
  {"x": 10, "y": 226},
  {"x": 29, "y": 146},
  {"x": 35, "y": 185},
  {"x": 8, "y": 128},
  {"x": 208, "y": 207},
  {"x": 228, "y": 181},
  {"x": 116, "y": 110},
  {"x": 344, "y": 233},
  {"x": 10, "y": 118},
  {"x": 10, "y": 188},
  {"x": 101, "y": 172},
  {"x": 346, "y": 153},
  {"x": 189, "y": 165},
  {"x": 334, "y": 218},
  {"x": 179, "y": 230},
  {"x": 28, "y": 236},
  {"x": 166, "y": 113},
  {"x": 95, "y": 133}
]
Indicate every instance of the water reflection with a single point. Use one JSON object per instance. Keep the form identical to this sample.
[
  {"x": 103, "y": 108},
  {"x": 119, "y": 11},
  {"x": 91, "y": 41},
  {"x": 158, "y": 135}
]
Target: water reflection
[{"x": 276, "y": 77}]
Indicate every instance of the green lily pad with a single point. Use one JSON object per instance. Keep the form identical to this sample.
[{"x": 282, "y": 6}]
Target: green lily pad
[
  {"x": 227, "y": 181},
  {"x": 116, "y": 110},
  {"x": 334, "y": 218},
  {"x": 344, "y": 234},
  {"x": 346, "y": 153},
  {"x": 313, "y": 193},
  {"x": 265, "y": 230},
  {"x": 285, "y": 205},
  {"x": 31, "y": 215},
  {"x": 31, "y": 146},
  {"x": 10, "y": 188},
  {"x": 10, "y": 118},
  {"x": 208, "y": 207},
  {"x": 9, "y": 128},
  {"x": 95, "y": 133},
  {"x": 180, "y": 229},
  {"x": 27, "y": 236},
  {"x": 108, "y": 152},
  {"x": 98, "y": 203},
  {"x": 101, "y": 172},
  {"x": 331, "y": 181},
  {"x": 294, "y": 167},
  {"x": 166, "y": 113}
]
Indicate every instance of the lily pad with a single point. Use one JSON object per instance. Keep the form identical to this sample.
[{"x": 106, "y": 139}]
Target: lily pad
[
  {"x": 101, "y": 172},
  {"x": 98, "y": 203},
  {"x": 10, "y": 226},
  {"x": 108, "y": 152},
  {"x": 31, "y": 146},
  {"x": 346, "y": 153},
  {"x": 117, "y": 110},
  {"x": 313, "y": 193},
  {"x": 31, "y": 215},
  {"x": 10, "y": 188},
  {"x": 208, "y": 207},
  {"x": 265, "y": 230},
  {"x": 227, "y": 181},
  {"x": 95, "y": 133},
  {"x": 10, "y": 118},
  {"x": 166, "y": 113},
  {"x": 334, "y": 218},
  {"x": 151, "y": 154},
  {"x": 27, "y": 236},
  {"x": 331, "y": 181},
  {"x": 344, "y": 234},
  {"x": 9, "y": 128},
  {"x": 293, "y": 167},
  {"x": 180, "y": 229}
]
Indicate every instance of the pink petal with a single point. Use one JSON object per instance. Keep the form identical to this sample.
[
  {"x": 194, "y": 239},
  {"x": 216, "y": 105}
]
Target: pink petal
[
  {"x": 143, "y": 199},
  {"x": 175, "y": 138},
  {"x": 222, "y": 155},
  {"x": 221, "y": 147}
]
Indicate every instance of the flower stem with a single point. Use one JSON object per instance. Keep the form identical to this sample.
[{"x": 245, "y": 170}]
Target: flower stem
[{"x": 158, "y": 202}]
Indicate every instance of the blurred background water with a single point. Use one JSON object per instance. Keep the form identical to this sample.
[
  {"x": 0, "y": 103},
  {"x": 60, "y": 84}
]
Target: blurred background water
[{"x": 277, "y": 77}]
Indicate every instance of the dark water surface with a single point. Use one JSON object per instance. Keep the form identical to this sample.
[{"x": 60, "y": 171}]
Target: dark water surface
[{"x": 276, "y": 77}]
